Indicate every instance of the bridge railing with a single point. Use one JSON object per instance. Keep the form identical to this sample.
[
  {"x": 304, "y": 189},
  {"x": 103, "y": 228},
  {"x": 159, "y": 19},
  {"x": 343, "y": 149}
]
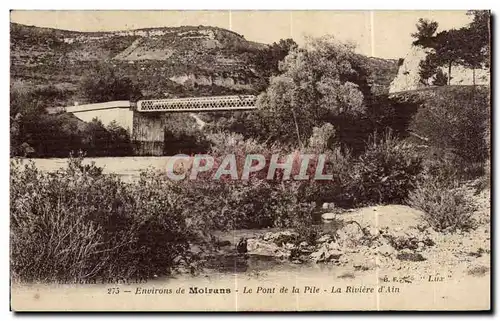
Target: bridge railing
[{"x": 212, "y": 103}]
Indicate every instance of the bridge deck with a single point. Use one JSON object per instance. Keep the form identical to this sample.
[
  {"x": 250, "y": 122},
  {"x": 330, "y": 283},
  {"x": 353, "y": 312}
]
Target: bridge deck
[{"x": 213, "y": 103}]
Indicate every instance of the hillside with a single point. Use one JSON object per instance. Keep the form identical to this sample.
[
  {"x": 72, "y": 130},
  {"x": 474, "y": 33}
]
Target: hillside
[{"x": 180, "y": 61}]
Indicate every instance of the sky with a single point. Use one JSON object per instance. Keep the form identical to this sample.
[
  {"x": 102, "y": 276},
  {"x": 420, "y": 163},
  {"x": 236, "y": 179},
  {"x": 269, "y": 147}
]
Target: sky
[{"x": 385, "y": 34}]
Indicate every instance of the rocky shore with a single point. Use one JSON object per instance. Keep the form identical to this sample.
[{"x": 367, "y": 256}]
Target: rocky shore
[{"x": 392, "y": 237}]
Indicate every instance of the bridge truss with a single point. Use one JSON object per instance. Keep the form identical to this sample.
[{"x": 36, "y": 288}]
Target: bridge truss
[{"x": 212, "y": 103}]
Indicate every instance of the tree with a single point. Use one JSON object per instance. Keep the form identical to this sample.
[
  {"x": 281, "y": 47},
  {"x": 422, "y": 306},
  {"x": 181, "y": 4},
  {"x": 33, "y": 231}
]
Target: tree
[
  {"x": 103, "y": 84},
  {"x": 440, "y": 79},
  {"x": 450, "y": 47},
  {"x": 476, "y": 51},
  {"x": 467, "y": 46},
  {"x": 316, "y": 83},
  {"x": 119, "y": 140},
  {"x": 424, "y": 36},
  {"x": 428, "y": 68},
  {"x": 267, "y": 60}
]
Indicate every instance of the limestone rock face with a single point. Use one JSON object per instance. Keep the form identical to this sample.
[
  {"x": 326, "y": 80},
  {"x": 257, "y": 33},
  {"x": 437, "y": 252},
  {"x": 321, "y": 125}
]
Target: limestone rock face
[{"x": 408, "y": 77}]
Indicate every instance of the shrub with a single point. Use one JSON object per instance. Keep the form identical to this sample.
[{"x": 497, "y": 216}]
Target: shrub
[
  {"x": 340, "y": 165},
  {"x": 101, "y": 83},
  {"x": 79, "y": 223},
  {"x": 234, "y": 204},
  {"x": 322, "y": 137},
  {"x": 227, "y": 203},
  {"x": 446, "y": 207},
  {"x": 449, "y": 167},
  {"x": 455, "y": 119},
  {"x": 385, "y": 173}
]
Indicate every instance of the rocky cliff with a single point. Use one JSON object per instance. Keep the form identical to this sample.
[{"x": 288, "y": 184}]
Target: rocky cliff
[
  {"x": 168, "y": 61},
  {"x": 408, "y": 77}
]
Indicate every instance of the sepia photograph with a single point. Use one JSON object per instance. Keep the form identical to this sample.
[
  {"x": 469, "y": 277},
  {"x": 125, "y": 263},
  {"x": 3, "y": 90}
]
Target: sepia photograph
[{"x": 256, "y": 160}]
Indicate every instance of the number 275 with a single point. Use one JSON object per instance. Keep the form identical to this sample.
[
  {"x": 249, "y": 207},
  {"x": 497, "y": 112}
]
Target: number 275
[{"x": 113, "y": 290}]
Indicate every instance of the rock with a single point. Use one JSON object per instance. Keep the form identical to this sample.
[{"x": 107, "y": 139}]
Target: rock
[
  {"x": 408, "y": 77},
  {"x": 241, "y": 247},
  {"x": 333, "y": 246},
  {"x": 344, "y": 259},
  {"x": 328, "y": 216},
  {"x": 327, "y": 206},
  {"x": 386, "y": 250},
  {"x": 268, "y": 236},
  {"x": 408, "y": 239},
  {"x": 324, "y": 239},
  {"x": 350, "y": 235},
  {"x": 266, "y": 248},
  {"x": 195, "y": 249},
  {"x": 223, "y": 243},
  {"x": 326, "y": 253},
  {"x": 362, "y": 262},
  {"x": 372, "y": 232},
  {"x": 303, "y": 244},
  {"x": 281, "y": 238}
]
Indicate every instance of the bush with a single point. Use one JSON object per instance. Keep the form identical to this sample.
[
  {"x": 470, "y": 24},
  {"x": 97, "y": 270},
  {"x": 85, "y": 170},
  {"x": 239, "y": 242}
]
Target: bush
[
  {"x": 455, "y": 119},
  {"x": 340, "y": 165},
  {"x": 227, "y": 203},
  {"x": 223, "y": 205},
  {"x": 446, "y": 207},
  {"x": 79, "y": 223},
  {"x": 101, "y": 83},
  {"x": 385, "y": 173}
]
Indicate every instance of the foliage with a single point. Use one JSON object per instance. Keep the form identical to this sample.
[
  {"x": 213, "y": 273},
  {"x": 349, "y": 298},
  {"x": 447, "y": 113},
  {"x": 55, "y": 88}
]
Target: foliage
[
  {"x": 454, "y": 120},
  {"x": 467, "y": 46},
  {"x": 340, "y": 165},
  {"x": 236, "y": 204},
  {"x": 385, "y": 173},
  {"x": 36, "y": 133},
  {"x": 425, "y": 32},
  {"x": 440, "y": 78},
  {"x": 315, "y": 82},
  {"x": 77, "y": 223},
  {"x": 183, "y": 136},
  {"x": 428, "y": 68},
  {"x": 104, "y": 84},
  {"x": 322, "y": 137},
  {"x": 446, "y": 206},
  {"x": 268, "y": 58}
]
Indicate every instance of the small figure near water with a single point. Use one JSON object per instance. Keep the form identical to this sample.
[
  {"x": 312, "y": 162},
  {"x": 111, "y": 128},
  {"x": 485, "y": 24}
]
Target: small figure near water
[{"x": 241, "y": 247}]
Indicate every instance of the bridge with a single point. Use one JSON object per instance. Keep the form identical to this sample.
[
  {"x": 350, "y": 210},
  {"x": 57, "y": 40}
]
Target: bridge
[
  {"x": 198, "y": 104},
  {"x": 145, "y": 120}
]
